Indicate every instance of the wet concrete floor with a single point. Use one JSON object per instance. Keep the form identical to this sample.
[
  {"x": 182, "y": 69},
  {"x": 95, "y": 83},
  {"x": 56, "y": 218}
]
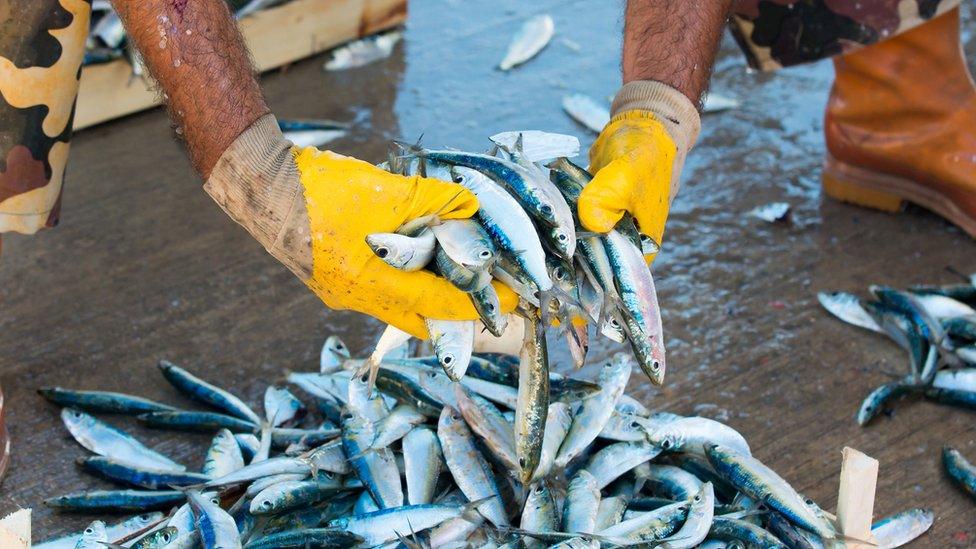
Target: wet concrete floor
[{"x": 144, "y": 266}]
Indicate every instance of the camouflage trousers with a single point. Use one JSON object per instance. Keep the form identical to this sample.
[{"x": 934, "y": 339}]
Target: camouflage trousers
[
  {"x": 42, "y": 47},
  {"x": 781, "y": 33}
]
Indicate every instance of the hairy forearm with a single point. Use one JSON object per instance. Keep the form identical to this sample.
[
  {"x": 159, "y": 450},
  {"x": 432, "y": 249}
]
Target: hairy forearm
[
  {"x": 195, "y": 52},
  {"x": 673, "y": 42}
]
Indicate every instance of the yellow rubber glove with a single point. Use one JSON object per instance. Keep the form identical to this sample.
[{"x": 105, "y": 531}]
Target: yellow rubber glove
[
  {"x": 631, "y": 162},
  {"x": 346, "y": 200}
]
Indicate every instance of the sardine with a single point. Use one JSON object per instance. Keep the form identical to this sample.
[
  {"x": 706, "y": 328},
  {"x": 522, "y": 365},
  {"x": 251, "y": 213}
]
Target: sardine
[
  {"x": 116, "y": 500},
  {"x": 691, "y": 434},
  {"x": 532, "y": 404},
  {"x": 540, "y": 513},
  {"x": 334, "y": 353},
  {"x": 142, "y": 477},
  {"x": 848, "y": 308},
  {"x": 471, "y": 472},
  {"x": 615, "y": 460},
  {"x": 207, "y": 393},
  {"x": 422, "y": 464},
  {"x": 453, "y": 343},
  {"x": 281, "y": 406},
  {"x": 105, "y": 440},
  {"x": 224, "y": 455},
  {"x": 534, "y": 35},
  {"x": 465, "y": 242},
  {"x": 376, "y": 469},
  {"x": 901, "y": 528},
  {"x": 595, "y": 411},
  {"x": 102, "y": 401},
  {"x": 185, "y": 420},
  {"x": 93, "y": 537},
  {"x": 490, "y": 425},
  {"x": 582, "y": 503},
  {"x": 559, "y": 418},
  {"x": 407, "y": 253},
  {"x": 585, "y": 110},
  {"x": 216, "y": 527},
  {"x": 761, "y": 483}
]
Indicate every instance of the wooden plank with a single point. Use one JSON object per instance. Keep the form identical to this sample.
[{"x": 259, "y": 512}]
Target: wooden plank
[
  {"x": 855, "y": 502},
  {"x": 276, "y": 37}
]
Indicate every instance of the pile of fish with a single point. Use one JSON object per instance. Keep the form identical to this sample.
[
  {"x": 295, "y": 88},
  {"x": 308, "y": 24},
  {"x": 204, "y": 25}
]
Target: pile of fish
[
  {"x": 527, "y": 235},
  {"x": 424, "y": 461},
  {"x": 935, "y": 325}
]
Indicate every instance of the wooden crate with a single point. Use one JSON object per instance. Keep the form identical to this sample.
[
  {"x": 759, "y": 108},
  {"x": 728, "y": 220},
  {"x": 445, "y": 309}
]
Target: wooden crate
[{"x": 276, "y": 37}]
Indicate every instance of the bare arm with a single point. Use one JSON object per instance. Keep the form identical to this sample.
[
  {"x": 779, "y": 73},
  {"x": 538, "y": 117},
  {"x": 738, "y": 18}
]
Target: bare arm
[
  {"x": 195, "y": 51},
  {"x": 673, "y": 42}
]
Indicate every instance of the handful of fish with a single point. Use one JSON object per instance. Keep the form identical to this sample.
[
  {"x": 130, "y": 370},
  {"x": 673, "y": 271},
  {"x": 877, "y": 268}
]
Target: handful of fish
[
  {"x": 526, "y": 235},
  {"x": 495, "y": 458}
]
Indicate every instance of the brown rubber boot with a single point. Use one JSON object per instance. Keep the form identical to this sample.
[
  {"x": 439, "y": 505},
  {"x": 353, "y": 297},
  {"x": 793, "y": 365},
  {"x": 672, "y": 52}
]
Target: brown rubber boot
[{"x": 901, "y": 125}]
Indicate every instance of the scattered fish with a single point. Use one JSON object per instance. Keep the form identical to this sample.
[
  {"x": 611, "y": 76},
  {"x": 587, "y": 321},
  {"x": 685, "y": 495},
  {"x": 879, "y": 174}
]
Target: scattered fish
[
  {"x": 312, "y": 133},
  {"x": 587, "y": 111},
  {"x": 772, "y": 212},
  {"x": 364, "y": 51},
  {"x": 534, "y": 35}
]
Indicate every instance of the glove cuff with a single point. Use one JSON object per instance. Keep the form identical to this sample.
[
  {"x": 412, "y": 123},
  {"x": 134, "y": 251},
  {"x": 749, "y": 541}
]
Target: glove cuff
[
  {"x": 256, "y": 182},
  {"x": 673, "y": 109}
]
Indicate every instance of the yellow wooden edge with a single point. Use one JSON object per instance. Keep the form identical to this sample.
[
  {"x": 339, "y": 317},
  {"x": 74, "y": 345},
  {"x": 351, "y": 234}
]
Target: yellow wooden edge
[{"x": 276, "y": 37}]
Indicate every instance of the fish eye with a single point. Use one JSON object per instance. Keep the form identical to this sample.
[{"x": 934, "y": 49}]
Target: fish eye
[
  {"x": 382, "y": 252},
  {"x": 458, "y": 179},
  {"x": 536, "y": 294},
  {"x": 447, "y": 360},
  {"x": 655, "y": 365},
  {"x": 89, "y": 530},
  {"x": 666, "y": 444},
  {"x": 540, "y": 488},
  {"x": 485, "y": 254},
  {"x": 266, "y": 504},
  {"x": 561, "y": 237},
  {"x": 546, "y": 209},
  {"x": 521, "y": 462},
  {"x": 364, "y": 378},
  {"x": 165, "y": 537},
  {"x": 490, "y": 307},
  {"x": 614, "y": 323},
  {"x": 558, "y": 271},
  {"x": 635, "y": 425},
  {"x": 697, "y": 498},
  {"x": 76, "y": 414},
  {"x": 455, "y": 417},
  {"x": 338, "y": 346}
]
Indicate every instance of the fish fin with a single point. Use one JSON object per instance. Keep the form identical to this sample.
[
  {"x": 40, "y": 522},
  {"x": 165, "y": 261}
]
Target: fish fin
[{"x": 519, "y": 143}]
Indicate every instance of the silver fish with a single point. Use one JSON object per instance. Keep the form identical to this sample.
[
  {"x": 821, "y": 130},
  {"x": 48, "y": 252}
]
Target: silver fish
[
  {"x": 489, "y": 424},
  {"x": 224, "y": 455},
  {"x": 902, "y": 528},
  {"x": 422, "y": 464},
  {"x": 407, "y": 253},
  {"x": 596, "y": 410},
  {"x": 104, "y": 439},
  {"x": 453, "y": 343},
  {"x": 699, "y": 521},
  {"x": 942, "y": 307},
  {"x": 847, "y": 307},
  {"x": 334, "y": 353},
  {"x": 756, "y": 480},
  {"x": 465, "y": 242},
  {"x": 534, "y": 35},
  {"x": 364, "y": 51},
  {"x": 376, "y": 469},
  {"x": 94, "y": 536},
  {"x": 613, "y": 461},
  {"x": 281, "y": 407},
  {"x": 671, "y": 482},
  {"x": 471, "y": 472},
  {"x": 115, "y": 531},
  {"x": 538, "y": 146},
  {"x": 582, "y": 503},
  {"x": 559, "y": 418},
  {"x": 691, "y": 434},
  {"x": 585, "y": 110},
  {"x": 963, "y": 379},
  {"x": 539, "y": 514},
  {"x": 489, "y": 308},
  {"x": 386, "y": 525},
  {"x": 509, "y": 226},
  {"x": 656, "y": 524},
  {"x": 261, "y": 484},
  {"x": 611, "y": 512},
  {"x": 532, "y": 404},
  {"x": 216, "y": 527},
  {"x": 396, "y": 425}
]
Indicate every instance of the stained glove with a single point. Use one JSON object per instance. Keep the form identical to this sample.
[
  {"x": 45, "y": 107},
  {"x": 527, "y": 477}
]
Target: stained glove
[
  {"x": 313, "y": 209},
  {"x": 638, "y": 157}
]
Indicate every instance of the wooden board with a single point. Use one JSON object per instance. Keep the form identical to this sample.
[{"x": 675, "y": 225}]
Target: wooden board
[{"x": 276, "y": 37}]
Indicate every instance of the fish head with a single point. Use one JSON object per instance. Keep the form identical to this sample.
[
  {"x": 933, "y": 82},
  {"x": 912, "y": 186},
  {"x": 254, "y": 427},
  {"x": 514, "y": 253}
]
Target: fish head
[
  {"x": 162, "y": 537},
  {"x": 704, "y": 499},
  {"x": 657, "y": 364},
  {"x": 395, "y": 250},
  {"x": 75, "y": 418},
  {"x": 565, "y": 241},
  {"x": 95, "y": 531},
  {"x": 262, "y": 505},
  {"x": 335, "y": 351}
]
